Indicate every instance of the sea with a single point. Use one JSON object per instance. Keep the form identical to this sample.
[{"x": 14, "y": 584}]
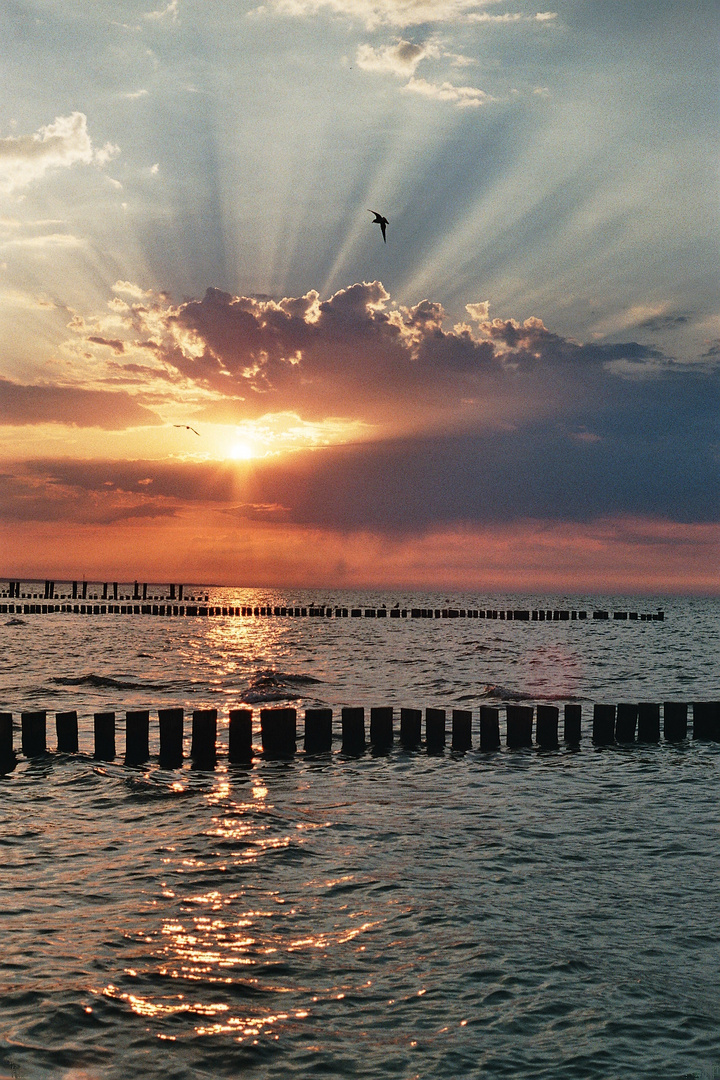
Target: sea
[{"x": 545, "y": 914}]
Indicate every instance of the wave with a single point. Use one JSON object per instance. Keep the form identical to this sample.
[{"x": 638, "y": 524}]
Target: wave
[
  {"x": 505, "y": 693},
  {"x": 106, "y": 681},
  {"x": 269, "y": 685},
  {"x": 15, "y": 622}
]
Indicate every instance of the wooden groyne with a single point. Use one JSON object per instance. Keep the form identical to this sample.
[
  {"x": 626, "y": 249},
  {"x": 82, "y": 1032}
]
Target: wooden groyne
[
  {"x": 213, "y": 611},
  {"x": 526, "y": 726}
]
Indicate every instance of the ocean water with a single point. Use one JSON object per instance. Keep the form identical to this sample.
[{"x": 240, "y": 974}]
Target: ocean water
[{"x": 518, "y": 914}]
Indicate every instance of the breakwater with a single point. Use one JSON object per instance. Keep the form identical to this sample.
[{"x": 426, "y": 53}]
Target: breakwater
[{"x": 525, "y": 726}]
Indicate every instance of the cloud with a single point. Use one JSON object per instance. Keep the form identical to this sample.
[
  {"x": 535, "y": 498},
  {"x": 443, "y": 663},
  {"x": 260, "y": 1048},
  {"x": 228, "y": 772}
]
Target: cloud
[
  {"x": 462, "y": 96},
  {"x": 399, "y": 59},
  {"x": 169, "y": 12},
  {"x": 374, "y": 13},
  {"x": 46, "y": 404},
  {"x": 65, "y": 142}
]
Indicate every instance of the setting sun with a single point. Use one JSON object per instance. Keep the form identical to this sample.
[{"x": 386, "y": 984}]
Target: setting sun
[{"x": 242, "y": 451}]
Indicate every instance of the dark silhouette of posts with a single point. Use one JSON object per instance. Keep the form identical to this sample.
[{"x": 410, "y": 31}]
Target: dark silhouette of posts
[
  {"x": 66, "y": 727},
  {"x": 706, "y": 720},
  {"x": 33, "y": 733},
  {"x": 572, "y": 723},
  {"x": 489, "y": 728},
  {"x": 203, "y": 749},
  {"x": 7, "y": 752},
  {"x": 278, "y": 730},
  {"x": 675, "y": 721},
  {"x": 435, "y": 729},
  {"x": 546, "y": 727},
  {"x": 519, "y": 725},
  {"x": 461, "y": 729},
  {"x": 170, "y": 722},
  {"x": 318, "y": 731},
  {"x": 137, "y": 736},
  {"x": 104, "y": 727},
  {"x": 353, "y": 730},
  {"x": 410, "y": 723},
  {"x": 240, "y": 736},
  {"x": 648, "y": 722},
  {"x": 626, "y": 723},
  {"x": 603, "y": 725},
  {"x": 381, "y": 727}
]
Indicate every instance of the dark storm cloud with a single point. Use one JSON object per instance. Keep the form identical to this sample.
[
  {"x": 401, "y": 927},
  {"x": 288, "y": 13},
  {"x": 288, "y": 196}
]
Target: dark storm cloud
[{"x": 22, "y": 404}]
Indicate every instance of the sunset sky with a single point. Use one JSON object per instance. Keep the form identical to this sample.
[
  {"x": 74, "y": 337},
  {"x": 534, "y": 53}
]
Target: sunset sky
[{"x": 519, "y": 390}]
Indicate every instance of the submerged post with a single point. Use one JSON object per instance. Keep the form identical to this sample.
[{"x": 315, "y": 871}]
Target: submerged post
[
  {"x": 66, "y": 728},
  {"x": 626, "y": 723},
  {"x": 7, "y": 753},
  {"x": 706, "y": 720},
  {"x": 489, "y": 728},
  {"x": 648, "y": 722},
  {"x": 318, "y": 731},
  {"x": 675, "y": 721},
  {"x": 604, "y": 725},
  {"x": 204, "y": 737},
  {"x": 572, "y": 723},
  {"x": 381, "y": 727},
  {"x": 435, "y": 729},
  {"x": 171, "y": 737},
  {"x": 410, "y": 721},
  {"x": 33, "y": 733},
  {"x": 278, "y": 729},
  {"x": 519, "y": 725},
  {"x": 461, "y": 729},
  {"x": 137, "y": 736},
  {"x": 353, "y": 730},
  {"x": 546, "y": 727},
  {"x": 240, "y": 736},
  {"x": 104, "y": 725}
]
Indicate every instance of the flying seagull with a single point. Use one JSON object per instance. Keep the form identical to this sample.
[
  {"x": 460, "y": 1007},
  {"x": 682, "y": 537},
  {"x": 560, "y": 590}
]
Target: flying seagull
[
  {"x": 382, "y": 222},
  {"x": 186, "y": 426}
]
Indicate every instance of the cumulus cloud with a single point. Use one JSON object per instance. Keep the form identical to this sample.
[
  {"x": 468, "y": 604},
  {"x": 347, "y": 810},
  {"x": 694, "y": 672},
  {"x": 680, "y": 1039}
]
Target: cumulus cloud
[
  {"x": 404, "y": 13},
  {"x": 22, "y": 404},
  {"x": 65, "y": 142},
  {"x": 399, "y": 59},
  {"x": 462, "y": 96}
]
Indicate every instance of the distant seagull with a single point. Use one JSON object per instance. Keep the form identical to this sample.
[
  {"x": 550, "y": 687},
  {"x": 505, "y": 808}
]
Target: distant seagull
[
  {"x": 382, "y": 222},
  {"x": 186, "y": 426}
]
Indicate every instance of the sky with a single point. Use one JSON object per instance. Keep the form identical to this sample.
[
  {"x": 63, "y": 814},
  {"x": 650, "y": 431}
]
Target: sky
[{"x": 519, "y": 390}]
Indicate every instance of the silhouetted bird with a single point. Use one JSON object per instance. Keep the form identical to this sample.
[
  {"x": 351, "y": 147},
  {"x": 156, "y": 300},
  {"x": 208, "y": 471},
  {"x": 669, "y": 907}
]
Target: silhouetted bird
[
  {"x": 186, "y": 426},
  {"x": 382, "y": 222}
]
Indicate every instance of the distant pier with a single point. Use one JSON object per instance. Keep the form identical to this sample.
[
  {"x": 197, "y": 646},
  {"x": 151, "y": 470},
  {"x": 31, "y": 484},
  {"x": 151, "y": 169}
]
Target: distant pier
[{"x": 274, "y": 734}]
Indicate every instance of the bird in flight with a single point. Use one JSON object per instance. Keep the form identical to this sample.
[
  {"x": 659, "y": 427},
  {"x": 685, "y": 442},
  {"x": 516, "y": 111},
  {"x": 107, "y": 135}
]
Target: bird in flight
[
  {"x": 382, "y": 222},
  {"x": 186, "y": 426}
]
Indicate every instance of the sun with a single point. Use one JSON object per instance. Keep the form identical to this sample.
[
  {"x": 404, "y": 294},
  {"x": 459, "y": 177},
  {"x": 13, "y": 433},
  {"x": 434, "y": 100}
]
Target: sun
[{"x": 241, "y": 451}]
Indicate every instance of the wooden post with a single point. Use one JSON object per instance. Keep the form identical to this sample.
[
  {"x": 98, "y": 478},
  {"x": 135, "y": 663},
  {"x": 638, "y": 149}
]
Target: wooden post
[
  {"x": 203, "y": 749},
  {"x": 461, "y": 729},
  {"x": 33, "y": 733},
  {"x": 353, "y": 730},
  {"x": 240, "y": 736},
  {"x": 434, "y": 729},
  {"x": 410, "y": 721},
  {"x": 489, "y": 728},
  {"x": 171, "y": 737},
  {"x": 572, "y": 723},
  {"x": 648, "y": 722},
  {"x": 381, "y": 727},
  {"x": 104, "y": 725},
  {"x": 7, "y": 753},
  {"x": 278, "y": 729},
  {"x": 706, "y": 720},
  {"x": 137, "y": 736},
  {"x": 66, "y": 727},
  {"x": 603, "y": 725},
  {"x": 318, "y": 731},
  {"x": 519, "y": 725},
  {"x": 675, "y": 721},
  {"x": 626, "y": 723},
  {"x": 546, "y": 728}
]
